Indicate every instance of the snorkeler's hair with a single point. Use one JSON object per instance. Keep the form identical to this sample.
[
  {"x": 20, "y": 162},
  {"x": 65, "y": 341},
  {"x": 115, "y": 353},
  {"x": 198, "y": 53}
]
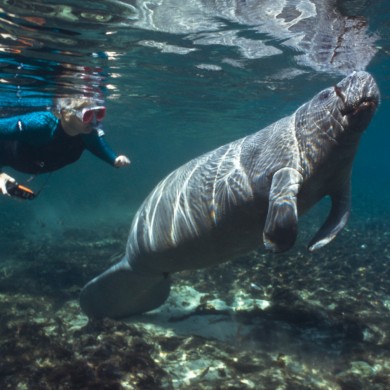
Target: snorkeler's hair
[{"x": 74, "y": 103}]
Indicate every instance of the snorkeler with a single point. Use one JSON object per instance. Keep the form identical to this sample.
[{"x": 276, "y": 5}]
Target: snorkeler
[{"x": 44, "y": 141}]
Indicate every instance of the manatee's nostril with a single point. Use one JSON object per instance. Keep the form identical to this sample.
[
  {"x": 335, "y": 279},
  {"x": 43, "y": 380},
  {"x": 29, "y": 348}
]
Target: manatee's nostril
[{"x": 339, "y": 93}]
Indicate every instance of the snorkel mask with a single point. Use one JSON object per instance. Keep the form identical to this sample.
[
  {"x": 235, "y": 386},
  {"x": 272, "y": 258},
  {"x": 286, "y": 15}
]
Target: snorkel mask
[{"x": 92, "y": 115}]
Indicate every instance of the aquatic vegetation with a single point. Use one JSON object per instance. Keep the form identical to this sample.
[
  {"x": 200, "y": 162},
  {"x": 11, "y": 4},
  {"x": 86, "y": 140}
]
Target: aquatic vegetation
[{"x": 326, "y": 325}]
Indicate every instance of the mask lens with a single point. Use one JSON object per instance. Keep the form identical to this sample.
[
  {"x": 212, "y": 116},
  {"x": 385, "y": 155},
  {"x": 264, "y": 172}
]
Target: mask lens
[
  {"x": 94, "y": 113},
  {"x": 100, "y": 113},
  {"x": 87, "y": 116}
]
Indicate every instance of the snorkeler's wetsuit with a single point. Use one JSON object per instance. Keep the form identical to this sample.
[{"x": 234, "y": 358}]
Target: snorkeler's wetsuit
[{"x": 36, "y": 143}]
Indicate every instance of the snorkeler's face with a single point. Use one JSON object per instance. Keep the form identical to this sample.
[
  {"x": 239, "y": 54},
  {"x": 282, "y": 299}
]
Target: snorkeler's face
[
  {"x": 82, "y": 120},
  {"x": 72, "y": 124}
]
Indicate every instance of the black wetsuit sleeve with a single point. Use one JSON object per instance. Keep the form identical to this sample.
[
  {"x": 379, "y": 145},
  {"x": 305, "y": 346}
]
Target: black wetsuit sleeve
[
  {"x": 96, "y": 144},
  {"x": 36, "y": 128}
]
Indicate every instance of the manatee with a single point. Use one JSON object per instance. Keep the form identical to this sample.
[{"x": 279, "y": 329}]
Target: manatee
[{"x": 244, "y": 194}]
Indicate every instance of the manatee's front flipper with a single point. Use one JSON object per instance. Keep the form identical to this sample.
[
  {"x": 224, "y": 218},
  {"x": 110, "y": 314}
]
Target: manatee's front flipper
[
  {"x": 337, "y": 218},
  {"x": 281, "y": 225},
  {"x": 121, "y": 292}
]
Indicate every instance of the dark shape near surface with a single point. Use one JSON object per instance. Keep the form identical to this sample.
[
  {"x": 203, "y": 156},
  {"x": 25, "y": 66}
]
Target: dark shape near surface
[
  {"x": 230, "y": 200},
  {"x": 331, "y": 36}
]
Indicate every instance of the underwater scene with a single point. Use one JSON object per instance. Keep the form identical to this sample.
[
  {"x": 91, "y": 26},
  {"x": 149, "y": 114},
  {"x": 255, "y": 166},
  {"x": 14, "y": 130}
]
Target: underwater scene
[{"x": 237, "y": 271}]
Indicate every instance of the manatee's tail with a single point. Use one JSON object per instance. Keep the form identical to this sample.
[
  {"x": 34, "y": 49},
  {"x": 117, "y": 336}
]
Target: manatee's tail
[{"x": 121, "y": 292}]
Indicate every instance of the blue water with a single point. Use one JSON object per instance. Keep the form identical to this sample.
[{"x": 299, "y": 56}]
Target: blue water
[
  {"x": 170, "y": 97},
  {"x": 164, "y": 108}
]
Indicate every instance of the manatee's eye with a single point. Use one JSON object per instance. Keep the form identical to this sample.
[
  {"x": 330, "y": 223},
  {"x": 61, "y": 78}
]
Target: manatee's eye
[{"x": 324, "y": 95}]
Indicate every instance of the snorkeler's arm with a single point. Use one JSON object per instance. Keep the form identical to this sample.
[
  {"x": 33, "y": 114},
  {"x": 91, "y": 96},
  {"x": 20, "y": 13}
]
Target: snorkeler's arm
[
  {"x": 36, "y": 128},
  {"x": 96, "y": 144}
]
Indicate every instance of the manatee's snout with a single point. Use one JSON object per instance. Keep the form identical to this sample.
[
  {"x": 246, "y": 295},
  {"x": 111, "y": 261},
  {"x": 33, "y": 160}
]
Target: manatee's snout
[{"x": 358, "y": 93}]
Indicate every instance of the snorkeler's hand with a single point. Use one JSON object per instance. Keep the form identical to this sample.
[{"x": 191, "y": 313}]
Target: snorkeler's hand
[
  {"x": 121, "y": 161},
  {"x": 4, "y": 179}
]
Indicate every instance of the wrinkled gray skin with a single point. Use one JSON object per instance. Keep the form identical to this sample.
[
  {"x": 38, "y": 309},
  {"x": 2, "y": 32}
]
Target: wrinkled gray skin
[{"x": 231, "y": 200}]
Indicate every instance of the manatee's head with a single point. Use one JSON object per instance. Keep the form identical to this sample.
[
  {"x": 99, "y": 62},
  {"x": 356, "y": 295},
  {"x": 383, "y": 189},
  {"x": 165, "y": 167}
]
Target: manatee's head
[
  {"x": 358, "y": 98},
  {"x": 342, "y": 111}
]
